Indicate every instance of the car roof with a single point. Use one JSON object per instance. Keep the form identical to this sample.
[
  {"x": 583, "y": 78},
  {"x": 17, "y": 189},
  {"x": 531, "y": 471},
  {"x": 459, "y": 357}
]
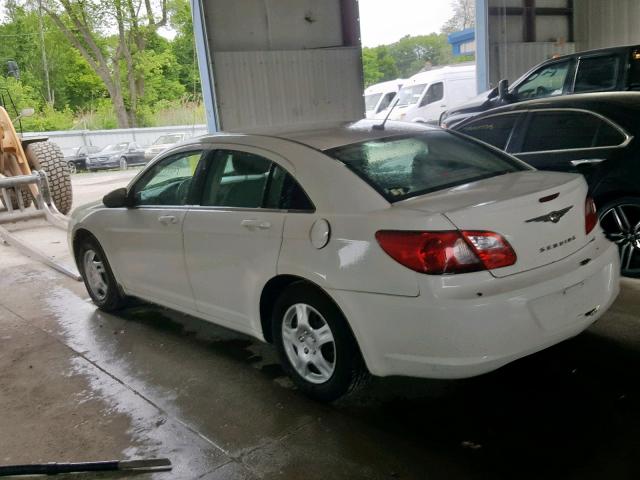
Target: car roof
[
  {"x": 329, "y": 135},
  {"x": 615, "y": 105}
]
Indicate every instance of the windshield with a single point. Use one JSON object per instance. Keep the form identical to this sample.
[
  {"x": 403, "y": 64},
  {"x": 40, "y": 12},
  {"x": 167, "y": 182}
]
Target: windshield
[
  {"x": 168, "y": 139},
  {"x": 407, "y": 166},
  {"x": 370, "y": 101},
  {"x": 410, "y": 95}
]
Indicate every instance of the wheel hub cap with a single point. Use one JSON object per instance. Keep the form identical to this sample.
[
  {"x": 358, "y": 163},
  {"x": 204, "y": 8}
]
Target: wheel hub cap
[
  {"x": 95, "y": 273},
  {"x": 621, "y": 225},
  {"x": 308, "y": 342}
]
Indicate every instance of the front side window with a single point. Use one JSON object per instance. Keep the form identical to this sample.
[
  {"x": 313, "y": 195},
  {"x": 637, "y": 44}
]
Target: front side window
[
  {"x": 434, "y": 93},
  {"x": 403, "y": 167},
  {"x": 569, "y": 130},
  {"x": 597, "y": 74},
  {"x": 386, "y": 101},
  {"x": 168, "y": 182},
  {"x": 494, "y": 130},
  {"x": 546, "y": 82}
]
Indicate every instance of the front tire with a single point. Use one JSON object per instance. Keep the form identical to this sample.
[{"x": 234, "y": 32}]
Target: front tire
[
  {"x": 72, "y": 168},
  {"x": 123, "y": 164},
  {"x": 620, "y": 220},
  {"x": 315, "y": 345},
  {"x": 98, "y": 276}
]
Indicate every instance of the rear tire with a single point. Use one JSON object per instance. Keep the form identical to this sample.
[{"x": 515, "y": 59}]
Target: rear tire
[
  {"x": 98, "y": 276},
  {"x": 48, "y": 157},
  {"x": 315, "y": 345},
  {"x": 25, "y": 193},
  {"x": 620, "y": 220}
]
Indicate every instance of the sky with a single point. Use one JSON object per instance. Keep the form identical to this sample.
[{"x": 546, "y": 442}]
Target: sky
[{"x": 385, "y": 21}]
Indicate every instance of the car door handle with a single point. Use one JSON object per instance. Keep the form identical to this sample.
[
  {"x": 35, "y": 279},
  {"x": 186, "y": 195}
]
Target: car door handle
[
  {"x": 167, "y": 219},
  {"x": 587, "y": 161},
  {"x": 252, "y": 224}
]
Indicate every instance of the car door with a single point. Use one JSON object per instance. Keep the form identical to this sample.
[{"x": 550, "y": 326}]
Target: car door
[
  {"x": 232, "y": 240},
  {"x": 431, "y": 104},
  {"x": 147, "y": 238},
  {"x": 569, "y": 140}
]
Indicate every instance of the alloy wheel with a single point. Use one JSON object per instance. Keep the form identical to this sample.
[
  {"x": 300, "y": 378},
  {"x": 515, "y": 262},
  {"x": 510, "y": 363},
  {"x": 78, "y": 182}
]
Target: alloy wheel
[
  {"x": 96, "y": 274},
  {"x": 309, "y": 343},
  {"x": 621, "y": 224},
  {"x": 123, "y": 163},
  {"x": 72, "y": 168}
]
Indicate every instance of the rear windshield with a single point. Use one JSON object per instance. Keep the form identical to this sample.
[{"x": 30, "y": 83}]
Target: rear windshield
[{"x": 407, "y": 166}]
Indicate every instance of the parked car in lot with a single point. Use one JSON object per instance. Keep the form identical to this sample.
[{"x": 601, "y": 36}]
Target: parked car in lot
[
  {"x": 594, "y": 134},
  {"x": 78, "y": 159},
  {"x": 119, "y": 155},
  {"x": 426, "y": 95},
  {"x": 379, "y": 96},
  {"x": 609, "y": 69},
  {"x": 162, "y": 143},
  {"x": 406, "y": 250}
]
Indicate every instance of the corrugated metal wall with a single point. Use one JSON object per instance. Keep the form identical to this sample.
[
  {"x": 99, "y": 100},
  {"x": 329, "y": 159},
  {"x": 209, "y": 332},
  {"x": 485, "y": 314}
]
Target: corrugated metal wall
[
  {"x": 283, "y": 62},
  {"x": 288, "y": 87},
  {"x": 605, "y": 23}
]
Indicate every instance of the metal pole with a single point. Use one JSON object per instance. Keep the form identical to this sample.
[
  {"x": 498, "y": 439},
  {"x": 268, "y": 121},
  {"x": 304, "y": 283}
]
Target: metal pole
[{"x": 45, "y": 64}]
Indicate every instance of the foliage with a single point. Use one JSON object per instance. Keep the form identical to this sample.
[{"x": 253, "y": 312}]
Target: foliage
[
  {"x": 405, "y": 57},
  {"x": 464, "y": 16},
  {"x": 144, "y": 70}
]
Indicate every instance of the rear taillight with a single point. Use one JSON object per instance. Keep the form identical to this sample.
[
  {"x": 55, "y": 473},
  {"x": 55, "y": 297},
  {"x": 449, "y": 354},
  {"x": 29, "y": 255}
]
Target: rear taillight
[
  {"x": 590, "y": 215},
  {"x": 446, "y": 252}
]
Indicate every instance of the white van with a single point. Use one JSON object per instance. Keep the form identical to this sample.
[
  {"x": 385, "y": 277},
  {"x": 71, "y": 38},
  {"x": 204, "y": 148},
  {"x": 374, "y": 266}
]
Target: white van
[
  {"x": 426, "y": 95},
  {"x": 378, "y": 97}
]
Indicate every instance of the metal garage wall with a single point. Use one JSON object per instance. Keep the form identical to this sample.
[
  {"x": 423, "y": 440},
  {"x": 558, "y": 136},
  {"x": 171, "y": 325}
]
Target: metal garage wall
[
  {"x": 600, "y": 23},
  {"x": 288, "y": 87},
  {"x": 280, "y": 62},
  {"x": 514, "y": 59}
]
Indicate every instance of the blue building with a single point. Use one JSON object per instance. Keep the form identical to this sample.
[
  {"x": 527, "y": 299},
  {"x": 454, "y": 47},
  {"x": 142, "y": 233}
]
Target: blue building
[{"x": 463, "y": 42}]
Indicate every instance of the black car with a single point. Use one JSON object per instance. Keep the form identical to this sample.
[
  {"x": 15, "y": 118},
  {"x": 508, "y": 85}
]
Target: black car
[
  {"x": 596, "y": 134},
  {"x": 119, "y": 155},
  {"x": 604, "y": 70},
  {"x": 78, "y": 160}
]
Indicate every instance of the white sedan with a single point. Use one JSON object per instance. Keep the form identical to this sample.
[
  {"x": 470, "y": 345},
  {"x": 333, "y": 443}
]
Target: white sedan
[{"x": 406, "y": 250}]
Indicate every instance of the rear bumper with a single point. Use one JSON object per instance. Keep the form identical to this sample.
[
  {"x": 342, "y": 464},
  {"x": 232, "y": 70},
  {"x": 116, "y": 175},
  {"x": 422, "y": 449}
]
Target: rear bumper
[{"x": 466, "y": 325}]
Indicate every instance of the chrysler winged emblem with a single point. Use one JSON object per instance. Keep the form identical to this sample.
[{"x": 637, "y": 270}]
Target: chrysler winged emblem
[{"x": 553, "y": 217}]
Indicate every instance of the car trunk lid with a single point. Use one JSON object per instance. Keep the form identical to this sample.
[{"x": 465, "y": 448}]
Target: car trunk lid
[{"x": 541, "y": 214}]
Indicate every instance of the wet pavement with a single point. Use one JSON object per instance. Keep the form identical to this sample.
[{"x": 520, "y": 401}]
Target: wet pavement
[{"x": 77, "y": 384}]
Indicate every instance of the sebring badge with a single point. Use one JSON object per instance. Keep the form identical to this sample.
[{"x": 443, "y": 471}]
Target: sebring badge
[{"x": 553, "y": 217}]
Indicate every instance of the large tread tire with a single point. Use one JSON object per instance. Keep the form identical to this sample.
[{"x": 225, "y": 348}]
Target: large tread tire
[
  {"x": 24, "y": 193},
  {"x": 350, "y": 373},
  {"x": 47, "y": 156},
  {"x": 114, "y": 299}
]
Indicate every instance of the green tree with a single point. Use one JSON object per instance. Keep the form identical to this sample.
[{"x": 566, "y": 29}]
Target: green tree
[
  {"x": 378, "y": 65},
  {"x": 412, "y": 54},
  {"x": 464, "y": 16}
]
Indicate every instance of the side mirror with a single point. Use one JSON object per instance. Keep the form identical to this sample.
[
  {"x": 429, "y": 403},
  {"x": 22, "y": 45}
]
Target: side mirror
[
  {"x": 503, "y": 89},
  {"x": 27, "y": 112},
  {"x": 116, "y": 199}
]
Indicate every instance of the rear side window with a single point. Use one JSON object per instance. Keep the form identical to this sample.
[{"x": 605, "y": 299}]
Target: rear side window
[
  {"x": 493, "y": 130},
  {"x": 284, "y": 193},
  {"x": 236, "y": 179},
  {"x": 597, "y": 74},
  {"x": 569, "y": 130},
  {"x": 407, "y": 166}
]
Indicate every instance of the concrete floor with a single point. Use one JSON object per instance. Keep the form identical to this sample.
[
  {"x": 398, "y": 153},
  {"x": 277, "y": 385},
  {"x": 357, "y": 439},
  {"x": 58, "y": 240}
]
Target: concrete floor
[{"x": 77, "y": 384}]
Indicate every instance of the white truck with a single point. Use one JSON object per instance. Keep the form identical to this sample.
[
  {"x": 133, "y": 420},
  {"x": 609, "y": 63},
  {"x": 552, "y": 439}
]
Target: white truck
[
  {"x": 378, "y": 97},
  {"x": 427, "y": 94}
]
